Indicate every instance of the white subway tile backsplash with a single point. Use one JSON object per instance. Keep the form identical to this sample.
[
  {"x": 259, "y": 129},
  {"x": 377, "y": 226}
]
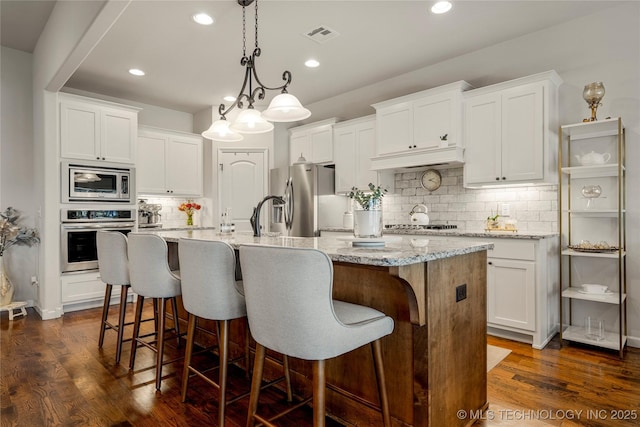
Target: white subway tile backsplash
[{"x": 534, "y": 208}]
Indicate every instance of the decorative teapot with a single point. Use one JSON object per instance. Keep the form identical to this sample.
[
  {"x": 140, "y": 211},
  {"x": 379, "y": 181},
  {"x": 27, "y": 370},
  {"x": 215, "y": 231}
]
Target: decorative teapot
[
  {"x": 593, "y": 158},
  {"x": 419, "y": 215}
]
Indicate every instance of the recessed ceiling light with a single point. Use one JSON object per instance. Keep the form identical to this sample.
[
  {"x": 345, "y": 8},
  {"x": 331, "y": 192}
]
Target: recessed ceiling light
[
  {"x": 203, "y": 19},
  {"x": 136, "y": 72},
  {"x": 311, "y": 63},
  {"x": 229, "y": 98},
  {"x": 441, "y": 7}
]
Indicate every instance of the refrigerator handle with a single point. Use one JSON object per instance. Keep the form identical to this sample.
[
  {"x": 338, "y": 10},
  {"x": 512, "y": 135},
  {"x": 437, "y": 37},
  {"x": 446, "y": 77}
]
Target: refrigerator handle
[{"x": 288, "y": 197}]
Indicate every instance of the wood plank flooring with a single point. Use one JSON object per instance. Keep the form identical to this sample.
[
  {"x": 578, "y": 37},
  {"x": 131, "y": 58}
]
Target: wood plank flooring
[{"x": 53, "y": 374}]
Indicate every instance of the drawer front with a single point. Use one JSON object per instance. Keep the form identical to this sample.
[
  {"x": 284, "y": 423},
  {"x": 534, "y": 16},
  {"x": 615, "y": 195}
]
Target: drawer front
[{"x": 513, "y": 249}]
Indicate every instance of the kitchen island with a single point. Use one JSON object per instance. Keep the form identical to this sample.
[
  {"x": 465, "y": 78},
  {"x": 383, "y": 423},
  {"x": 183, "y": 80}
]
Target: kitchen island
[{"x": 435, "y": 359}]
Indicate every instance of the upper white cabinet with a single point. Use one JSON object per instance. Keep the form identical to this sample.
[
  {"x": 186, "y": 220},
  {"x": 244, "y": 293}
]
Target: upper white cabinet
[
  {"x": 314, "y": 142},
  {"x": 91, "y": 129},
  {"x": 420, "y": 129},
  {"x": 510, "y": 132},
  {"x": 169, "y": 163},
  {"x": 354, "y": 146}
]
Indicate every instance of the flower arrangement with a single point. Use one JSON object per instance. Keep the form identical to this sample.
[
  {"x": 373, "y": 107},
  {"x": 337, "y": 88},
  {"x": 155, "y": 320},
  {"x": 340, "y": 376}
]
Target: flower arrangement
[
  {"x": 12, "y": 234},
  {"x": 369, "y": 199},
  {"x": 189, "y": 208}
]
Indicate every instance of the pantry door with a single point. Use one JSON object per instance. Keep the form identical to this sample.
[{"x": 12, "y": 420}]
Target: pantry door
[{"x": 243, "y": 183}]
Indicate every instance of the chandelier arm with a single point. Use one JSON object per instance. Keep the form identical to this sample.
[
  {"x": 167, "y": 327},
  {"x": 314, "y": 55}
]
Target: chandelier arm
[
  {"x": 238, "y": 102},
  {"x": 286, "y": 76}
]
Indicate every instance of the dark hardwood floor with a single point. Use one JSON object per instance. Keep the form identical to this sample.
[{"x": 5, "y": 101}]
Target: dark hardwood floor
[{"x": 53, "y": 374}]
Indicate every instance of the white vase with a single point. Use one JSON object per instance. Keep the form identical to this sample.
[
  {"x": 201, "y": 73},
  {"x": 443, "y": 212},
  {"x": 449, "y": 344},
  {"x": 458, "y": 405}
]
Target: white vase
[
  {"x": 367, "y": 223},
  {"x": 6, "y": 288}
]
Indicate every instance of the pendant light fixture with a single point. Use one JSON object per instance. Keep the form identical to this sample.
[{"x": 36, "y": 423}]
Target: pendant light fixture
[{"x": 283, "y": 108}]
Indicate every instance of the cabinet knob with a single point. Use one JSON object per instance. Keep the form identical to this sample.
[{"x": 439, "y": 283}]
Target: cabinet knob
[
  {"x": 409, "y": 146},
  {"x": 168, "y": 191},
  {"x": 414, "y": 146},
  {"x": 504, "y": 177},
  {"x": 490, "y": 263},
  {"x": 497, "y": 178},
  {"x": 97, "y": 158},
  {"x": 103, "y": 158}
]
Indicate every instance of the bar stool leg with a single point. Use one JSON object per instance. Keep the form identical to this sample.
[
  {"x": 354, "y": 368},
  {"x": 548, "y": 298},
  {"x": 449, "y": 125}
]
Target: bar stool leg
[
  {"x": 191, "y": 331},
  {"x": 223, "y": 351},
  {"x": 105, "y": 314},
  {"x": 319, "y": 384},
  {"x": 162, "y": 306},
  {"x": 258, "y": 365},
  {"x": 382, "y": 387},
  {"x": 136, "y": 330},
  {"x": 176, "y": 322},
  {"x": 121, "y": 316},
  {"x": 287, "y": 377}
]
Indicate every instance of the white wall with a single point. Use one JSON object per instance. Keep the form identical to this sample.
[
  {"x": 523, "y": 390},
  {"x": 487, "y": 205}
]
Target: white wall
[{"x": 16, "y": 151}]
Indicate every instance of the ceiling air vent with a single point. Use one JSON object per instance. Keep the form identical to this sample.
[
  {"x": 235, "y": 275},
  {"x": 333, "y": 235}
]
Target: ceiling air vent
[{"x": 321, "y": 34}]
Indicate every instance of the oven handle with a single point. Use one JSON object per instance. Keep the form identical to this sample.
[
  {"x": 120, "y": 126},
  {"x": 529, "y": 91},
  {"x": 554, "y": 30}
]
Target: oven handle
[{"x": 102, "y": 225}]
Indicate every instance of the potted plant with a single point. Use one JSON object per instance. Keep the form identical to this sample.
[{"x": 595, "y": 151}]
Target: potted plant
[
  {"x": 367, "y": 215},
  {"x": 12, "y": 234}
]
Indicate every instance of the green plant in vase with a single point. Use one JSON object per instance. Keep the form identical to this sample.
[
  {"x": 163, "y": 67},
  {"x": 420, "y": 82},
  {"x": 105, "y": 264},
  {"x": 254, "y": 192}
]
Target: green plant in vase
[{"x": 367, "y": 215}]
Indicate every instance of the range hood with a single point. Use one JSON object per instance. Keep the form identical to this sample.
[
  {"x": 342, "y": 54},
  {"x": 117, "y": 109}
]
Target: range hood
[{"x": 450, "y": 156}]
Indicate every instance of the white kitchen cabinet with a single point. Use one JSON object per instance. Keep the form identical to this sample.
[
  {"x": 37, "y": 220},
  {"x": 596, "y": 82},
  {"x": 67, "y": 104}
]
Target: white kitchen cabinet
[
  {"x": 169, "y": 163},
  {"x": 522, "y": 289},
  {"x": 314, "y": 142},
  {"x": 354, "y": 146},
  {"x": 592, "y": 158},
  {"x": 510, "y": 132},
  {"x": 420, "y": 129},
  {"x": 96, "y": 130},
  {"x": 80, "y": 291}
]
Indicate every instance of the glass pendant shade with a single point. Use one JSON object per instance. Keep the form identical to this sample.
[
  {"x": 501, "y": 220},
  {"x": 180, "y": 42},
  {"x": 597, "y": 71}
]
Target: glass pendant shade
[
  {"x": 251, "y": 121},
  {"x": 220, "y": 131},
  {"x": 285, "y": 108}
]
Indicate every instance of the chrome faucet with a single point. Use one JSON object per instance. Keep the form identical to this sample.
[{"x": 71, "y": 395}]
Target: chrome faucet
[{"x": 255, "y": 218}]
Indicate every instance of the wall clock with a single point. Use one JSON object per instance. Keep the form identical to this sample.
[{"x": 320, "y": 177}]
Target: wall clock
[{"x": 431, "y": 180}]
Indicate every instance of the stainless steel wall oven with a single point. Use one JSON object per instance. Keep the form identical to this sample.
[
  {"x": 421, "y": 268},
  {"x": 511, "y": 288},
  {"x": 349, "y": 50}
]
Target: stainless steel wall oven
[{"x": 78, "y": 234}]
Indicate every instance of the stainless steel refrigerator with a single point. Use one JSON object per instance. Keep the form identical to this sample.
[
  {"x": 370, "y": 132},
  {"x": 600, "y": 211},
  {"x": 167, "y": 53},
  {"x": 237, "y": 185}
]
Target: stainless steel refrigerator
[{"x": 300, "y": 185}]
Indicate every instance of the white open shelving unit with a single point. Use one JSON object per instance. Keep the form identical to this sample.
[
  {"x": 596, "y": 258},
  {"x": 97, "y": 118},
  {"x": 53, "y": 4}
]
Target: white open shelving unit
[{"x": 604, "y": 221}]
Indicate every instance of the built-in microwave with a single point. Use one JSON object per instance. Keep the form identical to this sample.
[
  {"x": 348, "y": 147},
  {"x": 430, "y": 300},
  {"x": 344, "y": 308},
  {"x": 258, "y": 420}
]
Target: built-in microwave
[{"x": 96, "y": 183}]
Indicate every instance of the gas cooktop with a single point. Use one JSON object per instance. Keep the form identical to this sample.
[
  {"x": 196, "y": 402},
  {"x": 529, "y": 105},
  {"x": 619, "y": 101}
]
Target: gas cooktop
[{"x": 420, "y": 227}]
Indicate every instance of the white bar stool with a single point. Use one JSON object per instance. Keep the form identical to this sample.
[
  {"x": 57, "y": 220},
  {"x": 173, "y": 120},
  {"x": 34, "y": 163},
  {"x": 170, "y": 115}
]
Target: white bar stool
[
  {"x": 210, "y": 291},
  {"x": 151, "y": 277},
  {"x": 291, "y": 310},
  {"x": 113, "y": 265}
]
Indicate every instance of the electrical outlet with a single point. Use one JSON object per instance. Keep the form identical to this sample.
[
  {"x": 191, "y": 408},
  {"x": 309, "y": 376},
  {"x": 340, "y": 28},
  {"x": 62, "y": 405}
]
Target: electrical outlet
[
  {"x": 34, "y": 280},
  {"x": 505, "y": 210},
  {"x": 461, "y": 292}
]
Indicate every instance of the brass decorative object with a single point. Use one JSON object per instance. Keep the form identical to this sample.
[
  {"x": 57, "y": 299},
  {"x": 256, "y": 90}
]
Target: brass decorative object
[{"x": 593, "y": 94}]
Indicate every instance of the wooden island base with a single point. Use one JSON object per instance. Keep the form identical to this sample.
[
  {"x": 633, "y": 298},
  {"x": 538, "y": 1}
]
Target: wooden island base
[{"x": 435, "y": 359}]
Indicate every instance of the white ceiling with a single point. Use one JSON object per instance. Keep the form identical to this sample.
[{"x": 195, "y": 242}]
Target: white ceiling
[{"x": 191, "y": 67}]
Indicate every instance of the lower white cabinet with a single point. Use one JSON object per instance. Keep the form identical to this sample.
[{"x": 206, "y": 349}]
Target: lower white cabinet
[
  {"x": 85, "y": 290},
  {"x": 169, "y": 163},
  {"x": 511, "y": 292}
]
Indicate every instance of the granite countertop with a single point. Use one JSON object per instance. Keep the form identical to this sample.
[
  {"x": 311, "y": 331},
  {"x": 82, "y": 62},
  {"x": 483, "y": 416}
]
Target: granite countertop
[
  {"x": 531, "y": 235},
  {"x": 145, "y": 229},
  {"x": 397, "y": 251}
]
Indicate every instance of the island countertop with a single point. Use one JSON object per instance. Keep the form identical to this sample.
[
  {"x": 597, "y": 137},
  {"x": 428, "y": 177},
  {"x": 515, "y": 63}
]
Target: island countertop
[{"x": 398, "y": 250}]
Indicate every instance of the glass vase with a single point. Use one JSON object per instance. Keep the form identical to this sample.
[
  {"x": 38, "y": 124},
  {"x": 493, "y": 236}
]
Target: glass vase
[
  {"x": 189, "y": 218},
  {"x": 367, "y": 220}
]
